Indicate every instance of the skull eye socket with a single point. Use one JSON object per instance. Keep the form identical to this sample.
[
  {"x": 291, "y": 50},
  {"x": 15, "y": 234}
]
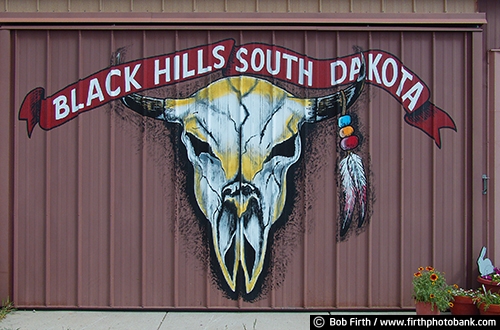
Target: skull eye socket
[
  {"x": 284, "y": 149},
  {"x": 199, "y": 146}
]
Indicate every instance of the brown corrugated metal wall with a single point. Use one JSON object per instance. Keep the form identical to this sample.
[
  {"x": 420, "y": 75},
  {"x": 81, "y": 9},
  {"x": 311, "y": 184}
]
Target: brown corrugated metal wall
[
  {"x": 6, "y": 162},
  {"x": 492, "y": 45},
  {"x": 101, "y": 219}
]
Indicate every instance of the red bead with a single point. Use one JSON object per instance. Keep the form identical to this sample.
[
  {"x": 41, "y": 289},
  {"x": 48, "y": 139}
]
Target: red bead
[{"x": 349, "y": 143}]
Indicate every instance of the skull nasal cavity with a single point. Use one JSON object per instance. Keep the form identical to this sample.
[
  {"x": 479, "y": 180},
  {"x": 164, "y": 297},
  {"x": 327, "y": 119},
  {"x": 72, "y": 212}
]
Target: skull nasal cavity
[{"x": 239, "y": 189}]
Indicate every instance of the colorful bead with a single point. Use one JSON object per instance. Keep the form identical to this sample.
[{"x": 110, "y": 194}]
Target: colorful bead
[
  {"x": 349, "y": 143},
  {"x": 346, "y": 131},
  {"x": 344, "y": 121}
]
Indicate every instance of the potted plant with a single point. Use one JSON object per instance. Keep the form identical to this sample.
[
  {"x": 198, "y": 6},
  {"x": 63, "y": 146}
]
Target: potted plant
[
  {"x": 491, "y": 281},
  {"x": 431, "y": 293},
  {"x": 488, "y": 302},
  {"x": 489, "y": 275},
  {"x": 463, "y": 301}
]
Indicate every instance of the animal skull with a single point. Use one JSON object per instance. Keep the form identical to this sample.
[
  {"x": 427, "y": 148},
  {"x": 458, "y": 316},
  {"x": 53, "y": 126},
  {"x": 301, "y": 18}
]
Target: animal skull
[{"x": 242, "y": 135}]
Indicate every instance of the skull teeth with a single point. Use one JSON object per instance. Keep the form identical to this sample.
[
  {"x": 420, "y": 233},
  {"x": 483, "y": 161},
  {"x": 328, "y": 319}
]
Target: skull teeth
[{"x": 240, "y": 240}]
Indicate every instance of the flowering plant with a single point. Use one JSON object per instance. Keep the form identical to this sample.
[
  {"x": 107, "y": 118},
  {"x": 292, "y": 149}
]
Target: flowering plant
[
  {"x": 485, "y": 298},
  {"x": 430, "y": 286},
  {"x": 494, "y": 277},
  {"x": 457, "y": 291}
]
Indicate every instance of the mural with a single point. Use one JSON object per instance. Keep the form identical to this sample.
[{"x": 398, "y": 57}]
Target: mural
[{"x": 242, "y": 131}]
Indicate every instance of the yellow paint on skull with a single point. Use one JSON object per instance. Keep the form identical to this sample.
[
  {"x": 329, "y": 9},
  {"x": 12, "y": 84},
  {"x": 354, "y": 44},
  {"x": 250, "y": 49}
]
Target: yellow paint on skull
[
  {"x": 179, "y": 103},
  {"x": 303, "y": 102},
  {"x": 191, "y": 126},
  {"x": 231, "y": 281},
  {"x": 243, "y": 85},
  {"x": 240, "y": 207},
  {"x": 230, "y": 162},
  {"x": 280, "y": 202},
  {"x": 228, "y": 156},
  {"x": 253, "y": 159},
  {"x": 250, "y": 281}
]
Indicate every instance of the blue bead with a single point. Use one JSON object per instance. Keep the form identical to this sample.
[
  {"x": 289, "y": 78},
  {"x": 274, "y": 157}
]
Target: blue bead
[{"x": 344, "y": 121}]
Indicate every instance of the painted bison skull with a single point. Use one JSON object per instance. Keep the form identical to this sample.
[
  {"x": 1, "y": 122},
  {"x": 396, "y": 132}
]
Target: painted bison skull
[{"x": 242, "y": 135}]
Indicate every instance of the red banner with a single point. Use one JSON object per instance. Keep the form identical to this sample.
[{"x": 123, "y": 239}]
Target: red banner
[{"x": 383, "y": 70}]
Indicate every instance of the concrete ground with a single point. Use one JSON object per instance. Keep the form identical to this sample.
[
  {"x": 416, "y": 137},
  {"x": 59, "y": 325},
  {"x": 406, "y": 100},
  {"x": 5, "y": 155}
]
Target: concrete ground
[{"x": 157, "y": 320}]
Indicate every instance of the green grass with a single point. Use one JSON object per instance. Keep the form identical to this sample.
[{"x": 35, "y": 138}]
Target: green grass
[{"x": 7, "y": 307}]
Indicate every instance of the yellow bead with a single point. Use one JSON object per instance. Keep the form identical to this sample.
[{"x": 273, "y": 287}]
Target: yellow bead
[{"x": 346, "y": 131}]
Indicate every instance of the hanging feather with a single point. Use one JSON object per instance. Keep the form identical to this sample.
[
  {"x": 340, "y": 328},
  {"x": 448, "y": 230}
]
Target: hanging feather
[
  {"x": 349, "y": 194},
  {"x": 359, "y": 178},
  {"x": 351, "y": 168},
  {"x": 353, "y": 189}
]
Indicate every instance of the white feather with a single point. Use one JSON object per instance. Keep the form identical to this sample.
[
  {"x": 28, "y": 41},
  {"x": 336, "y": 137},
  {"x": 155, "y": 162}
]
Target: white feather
[{"x": 354, "y": 188}]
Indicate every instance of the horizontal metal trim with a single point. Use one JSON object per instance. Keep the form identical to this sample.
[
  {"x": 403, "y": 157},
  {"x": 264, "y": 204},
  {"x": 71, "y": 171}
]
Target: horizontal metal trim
[
  {"x": 239, "y": 27},
  {"x": 245, "y": 18}
]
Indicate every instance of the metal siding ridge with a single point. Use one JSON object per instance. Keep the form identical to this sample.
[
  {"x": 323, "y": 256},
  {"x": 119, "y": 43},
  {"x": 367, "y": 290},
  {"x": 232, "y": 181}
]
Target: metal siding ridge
[
  {"x": 466, "y": 206},
  {"x": 305, "y": 250},
  {"x": 337, "y": 246},
  {"x": 15, "y": 172},
  {"x": 494, "y": 105},
  {"x": 7, "y": 171},
  {"x": 47, "y": 184},
  {"x": 402, "y": 259},
  {"x": 207, "y": 266},
  {"x": 248, "y": 18},
  {"x": 479, "y": 201},
  {"x": 176, "y": 219},
  {"x": 370, "y": 232},
  {"x": 112, "y": 197},
  {"x": 80, "y": 180},
  {"x": 143, "y": 198},
  {"x": 433, "y": 161}
]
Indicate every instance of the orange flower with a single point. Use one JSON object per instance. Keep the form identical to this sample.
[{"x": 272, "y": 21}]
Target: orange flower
[
  {"x": 455, "y": 286},
  {"x": 434, "y": 277},
  {"x": 417, "y": 274},
  {"x": 420, "y": 268},
  {"x": 429, "y": 268},
  {"x": 432, "y": 296},
  {"x": 450, "y": 304}
]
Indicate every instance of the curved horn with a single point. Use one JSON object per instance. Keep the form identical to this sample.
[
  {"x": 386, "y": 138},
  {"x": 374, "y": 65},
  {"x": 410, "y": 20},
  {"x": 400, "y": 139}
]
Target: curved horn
[
  {"x": 145, "y": 105},
  {"x": 331, "y": 105}
]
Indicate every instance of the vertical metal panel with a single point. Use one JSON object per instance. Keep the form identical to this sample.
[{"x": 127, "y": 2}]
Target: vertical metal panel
[
  {"x": 385, "y": 142},
  {"x": 494, "y": 109},
  {"x": 29, "y": 229},
  {"x": 492, "y": 8},
  {"x": 395, "y": 6},
  {"x": 243, "y": 6},
  {"x": 334, "y": 6},
  {"x": 492, "y": 44},
  {"x": 479, "y": 148},
  {"x": 6, "y": 162},
  {"x": 101, "y": 219},
  {"x": 210, "y": 6},
  {"x": 461, "y": 6},
  {"x": 84, "y": 6},
  {"x": 272, "y": 6}
]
